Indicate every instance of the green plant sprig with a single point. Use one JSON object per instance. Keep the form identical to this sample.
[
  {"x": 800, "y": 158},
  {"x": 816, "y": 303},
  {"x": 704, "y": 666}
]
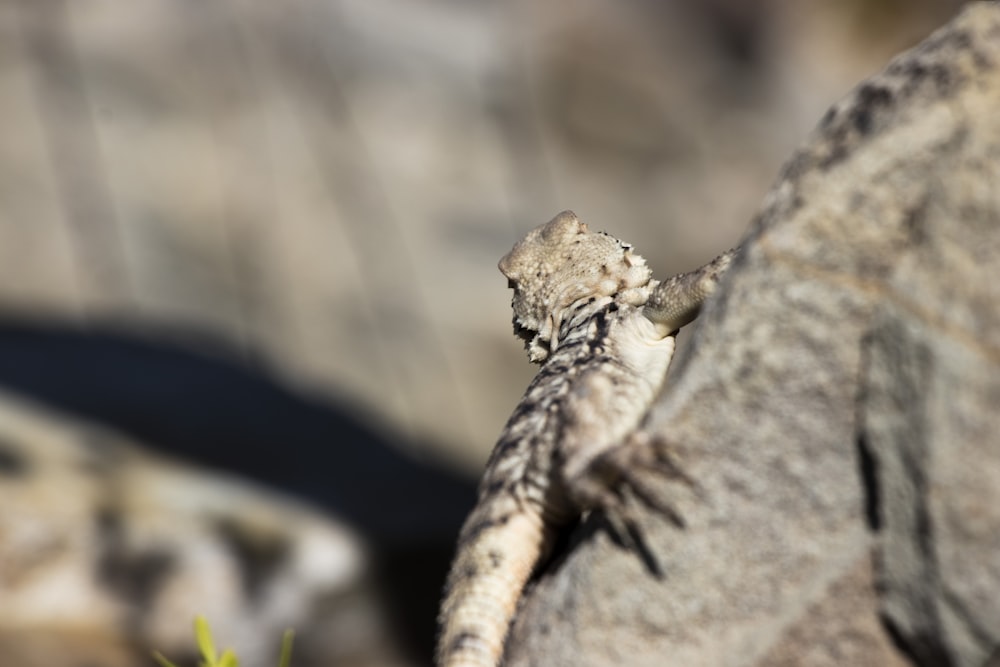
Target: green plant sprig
[{"x": 211, "y": 658}]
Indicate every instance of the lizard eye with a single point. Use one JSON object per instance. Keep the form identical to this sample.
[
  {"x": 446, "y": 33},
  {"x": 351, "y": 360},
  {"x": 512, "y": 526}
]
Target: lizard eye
[{"x": 511, "y": 284}]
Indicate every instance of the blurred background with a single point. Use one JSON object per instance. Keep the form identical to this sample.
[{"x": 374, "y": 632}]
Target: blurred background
[{"x": 254, "y": 348}]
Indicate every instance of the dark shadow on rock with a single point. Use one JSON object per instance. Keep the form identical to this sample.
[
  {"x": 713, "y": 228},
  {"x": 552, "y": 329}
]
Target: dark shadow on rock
[{"x": 199, "y": 402}]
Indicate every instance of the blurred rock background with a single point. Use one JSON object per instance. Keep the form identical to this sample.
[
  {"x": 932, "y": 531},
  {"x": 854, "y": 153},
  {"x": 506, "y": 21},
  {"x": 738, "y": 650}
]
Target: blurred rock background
[{"x": 253, "y": 344}]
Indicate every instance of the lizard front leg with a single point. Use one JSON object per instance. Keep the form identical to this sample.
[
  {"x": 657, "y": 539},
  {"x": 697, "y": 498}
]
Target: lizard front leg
[{"x": 677, "y": 300}]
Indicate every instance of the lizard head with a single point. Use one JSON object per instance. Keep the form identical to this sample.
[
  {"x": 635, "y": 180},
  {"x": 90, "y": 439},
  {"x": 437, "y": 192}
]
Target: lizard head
[{"x": 562, "y": 266}]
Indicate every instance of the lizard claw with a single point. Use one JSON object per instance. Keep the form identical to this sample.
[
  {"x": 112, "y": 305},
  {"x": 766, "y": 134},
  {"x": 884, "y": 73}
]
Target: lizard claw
[
  {"x": 626, "y": 476},
  {"x": 622, "y": 480}
]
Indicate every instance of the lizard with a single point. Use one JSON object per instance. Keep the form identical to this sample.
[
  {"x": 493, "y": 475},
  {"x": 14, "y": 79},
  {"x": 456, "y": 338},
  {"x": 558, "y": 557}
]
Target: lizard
[{"x": 603, "y": 331}]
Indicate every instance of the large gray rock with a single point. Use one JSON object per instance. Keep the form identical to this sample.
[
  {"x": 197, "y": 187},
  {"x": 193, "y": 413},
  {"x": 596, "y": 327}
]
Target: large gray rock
[{"x": 838, "y": 403}]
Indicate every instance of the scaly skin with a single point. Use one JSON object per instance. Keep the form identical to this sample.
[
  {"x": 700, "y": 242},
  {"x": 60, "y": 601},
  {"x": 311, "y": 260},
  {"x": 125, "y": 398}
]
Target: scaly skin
[{"x": 580, "y": 303}]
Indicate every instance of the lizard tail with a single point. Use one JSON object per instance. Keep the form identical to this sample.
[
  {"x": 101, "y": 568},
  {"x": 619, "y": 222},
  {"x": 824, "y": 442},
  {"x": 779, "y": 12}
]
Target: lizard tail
[{"x": 494, "y": 561}]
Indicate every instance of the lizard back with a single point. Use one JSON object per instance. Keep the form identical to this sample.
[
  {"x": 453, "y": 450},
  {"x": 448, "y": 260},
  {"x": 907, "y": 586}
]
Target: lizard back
[{"x": 578, "y": 305}]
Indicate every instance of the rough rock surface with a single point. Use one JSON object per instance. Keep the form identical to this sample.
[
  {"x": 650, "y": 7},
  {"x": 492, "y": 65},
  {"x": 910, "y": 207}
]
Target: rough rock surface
[{"x": 838, "y": 403}]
